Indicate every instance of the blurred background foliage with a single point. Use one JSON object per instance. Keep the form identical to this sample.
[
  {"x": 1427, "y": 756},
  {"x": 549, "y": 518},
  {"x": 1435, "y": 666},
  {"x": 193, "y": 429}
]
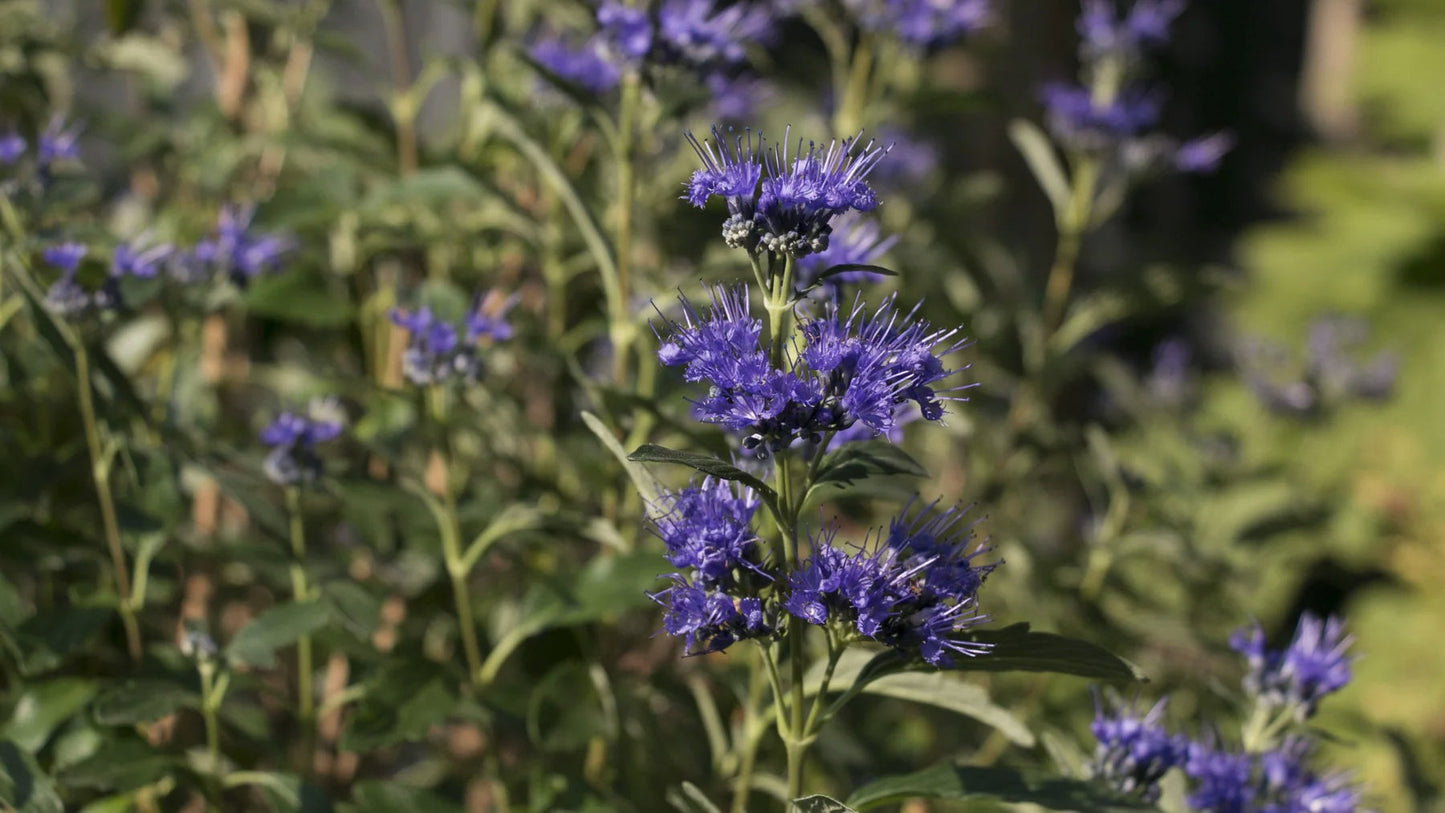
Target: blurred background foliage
[{"x": 414, "y": 155}]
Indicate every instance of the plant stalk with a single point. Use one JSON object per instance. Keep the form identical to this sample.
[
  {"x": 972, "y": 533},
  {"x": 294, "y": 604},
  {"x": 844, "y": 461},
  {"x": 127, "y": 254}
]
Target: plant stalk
[
  {"x": 450, "y": 529},
  {"x": 301, "y": 592}
]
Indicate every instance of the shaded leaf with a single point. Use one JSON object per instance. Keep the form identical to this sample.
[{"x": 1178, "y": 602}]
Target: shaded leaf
[
  {"x": 394, "y": 797},
  {"x": 1038, "y": 152},
  {"x": 402, "y": 701},
  {"x": 820, "y": 804},
  {"x": 280, "y": 626},
  {"x": 46, "y": 639},
  {"x": 847, "y": 471},
  {"x": 843, "y": 268},
  {"x": 959, "y": 782},
  {"x": 119, "y": 765},
  {"x": 1018, "y": 649},
  {"x": 299, "y": 298},
  {"x": 22, "y": 785},
  {"x": 141, "y": 701},
  {"x": 42, "y": 707},
  {"x": 711, "y": 466},
  {"x": 647, "y": 486}
]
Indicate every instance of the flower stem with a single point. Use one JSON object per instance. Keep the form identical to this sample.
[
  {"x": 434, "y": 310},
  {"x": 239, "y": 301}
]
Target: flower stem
[
  {"x": 749, "y": 745},
  {"x": 100, "y": 464},
  {"x": 450, "y": 529},
  {"x": 301, "y": 592},
  {"x": 626, "y": 192},
  {"x": 212, "y": 692},
  {"x": 1072, "y": 224}
]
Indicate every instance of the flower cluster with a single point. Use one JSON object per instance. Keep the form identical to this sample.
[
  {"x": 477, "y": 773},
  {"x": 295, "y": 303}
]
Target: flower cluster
[
  {"x": 1110, "y": 114},
  {"x": 713, "y": 602},
  {"x": 1296, "y": 678},
  {"x": 439, "y": 351},
  {"x": 293, "y": 438},
  {"x": 56, "y": 145},
  {"x": 234, "y": 253},
  {"x": 922, "y": 23},
  {"x": 916, "y": 591},
  {"x": 783, "y": 202},
  {"x": 1271, "y": 772},
  {"x": 853, "y": 367},
  {"x": 1329, "y": 374},
  {"x": 706, "y": 36}
]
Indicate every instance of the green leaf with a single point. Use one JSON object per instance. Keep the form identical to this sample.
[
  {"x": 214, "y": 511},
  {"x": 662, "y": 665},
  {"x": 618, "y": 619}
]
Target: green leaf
[
  {"x": 286, "y": 793},
  {"x": 44, "y": 706},
  {"x": 48, "y": 638},
  {"x": 141, "y": 701},
  {"x": 394, "y": 797},
  {"x": 300, "y": 298},
  {"x": 647, "y": 486},
  {"x": 357, "y": 608},
  {"x": 846, "y": 471},
  {"x": 119, "y": 765},
  {"x": 820, "y": 804},
  {"x": 280, "y": 626},
  {"x": 843, "y": 268},
  {"x": 403, "y": 700},
  {"x": 23, "y": 786},
  {"x": 1038, "y": 152},
  {"x": 711, "y": 466},
  {"x": 959, "y": 782},
  {"x": 1017, "y": 649}
]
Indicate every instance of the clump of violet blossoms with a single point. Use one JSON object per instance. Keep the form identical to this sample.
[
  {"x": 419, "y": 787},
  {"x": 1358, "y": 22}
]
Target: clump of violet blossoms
[
  {"x": 293, "y": 438},
  {"x": 439, "y": 351},
  {"x": 1110, "y": 115},
  {"x": 1330, "y": 372},
  {"x": 1272, "y": 768}
]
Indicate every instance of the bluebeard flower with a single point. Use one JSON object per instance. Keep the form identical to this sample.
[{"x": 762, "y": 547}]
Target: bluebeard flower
[
  {"x": 855, "y": 241},
  {"x": 852, "y": 367},
  {"x": 916, "y": 591},
  {"x": 234, "y": 252},
  {"x": 1315, "y": 664},
  {"x": 590, "y": 65},
  {"x": 1221, "y": 780},
  {"x": 710, "y": 621},
  {"x": 293, "y": 439},
  {"x": 922, "y": 23},
  {"x": 1105, "y": 34},
  {"x": 1204, "y": 154},
  {"x": 1133, "y": 752},
  {"x": 1330, "y": 373},
  {"x": 627, "y": 27},
  {"x": 131, "y": 260},
  {"x": 735, "y": 98},
  {"x": 12, "y": 146},
  {"x": 1290, "y": 786},
  {"x": 707, "y": 528},
  {"x": 56, "y": 144},
  {"x": 64, "y": 256},
  {"x": 911, "y": 161},
  {"x": 1080, "y": 120},
  {"x": 700, "y": 33},
  {"x": 783, "y": 203},
  {"x": 438, "y": 352},
  {"x": 1171, "y": 382}
]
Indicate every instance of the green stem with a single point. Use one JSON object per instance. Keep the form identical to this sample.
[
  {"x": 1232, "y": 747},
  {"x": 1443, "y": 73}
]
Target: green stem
[
  {"x": 854, "y": 102},
  {"x": 100, "y": 464},
  {"x": 210, "y": 708},
  {"x": 404, "y": 106},
  {"x": 1072, "y": 224},
  {"x": 450, "y": 529},
  {"x": 751, "y": 729},
  {"x": 301, "y": 592},
  {"x": 626, "y": 192},
  {"x": 834, "y": 653}
]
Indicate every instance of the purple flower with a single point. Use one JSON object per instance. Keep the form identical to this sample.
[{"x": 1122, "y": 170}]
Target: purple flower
[
  {"x": 293, "y": 438},
  {"x": 735, "y": 98},
  {"x": 852, "y": 367},
  {"x": 1170, "y": 382},
  {"x": 1104, "y": 34},
  {"x": 234, "y": 251},
  {"x": 590, "y": 65},
  {"x": 65, "y": 256},
  {"x": 1081, "y": 121},
  {"x": 1133, "y": 752},
  {"x": 1203, "y": 154},
  {"x": 12, "y": 146},
  {"x": 56, "y": 143},
  {"x": 1329, "y": 374},
  {"x": 782, "y": 202},
  {"x": 626, "y": 27},
  {"x": 129, "y": 260},
  {"x": 68, "y": 298},
  {"x": 922, "y": 23},
  {"x": 916, "y": 591},
  {"x": 707, "y": 528},
  {"x": 1290, "y": 786},
  {"x": 1221, "y": 780},
  {"x": 701, "y": 34},
  {"x": 1315, "y": 664},
  {"x": 911, "y": 161},
  {"x": 438, "y": 351},
  {"x": 710, "y": 621}
]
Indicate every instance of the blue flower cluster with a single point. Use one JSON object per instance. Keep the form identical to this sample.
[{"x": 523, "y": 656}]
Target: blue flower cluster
[
  {"x": 706, "y": 36},
  {"x": 783, "y": 202},
  {"x": 234, "y": 253},
  {"x": 714, "y": 599},
  {"x": 293, "y": 439},
  {"x": 916, "y": 591},
  {"x": 56, "y": 145},
  {"x": 1296, "y": 678},
  {"x": 438, "y": 351},
  {"x": 853, "y": 367},
  {"x": 1330, "y": 372},
  {"x": 1109, "y": 114},
  {"x": 922, "y": 23},
  {"x": 1272, "y": 773}
]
